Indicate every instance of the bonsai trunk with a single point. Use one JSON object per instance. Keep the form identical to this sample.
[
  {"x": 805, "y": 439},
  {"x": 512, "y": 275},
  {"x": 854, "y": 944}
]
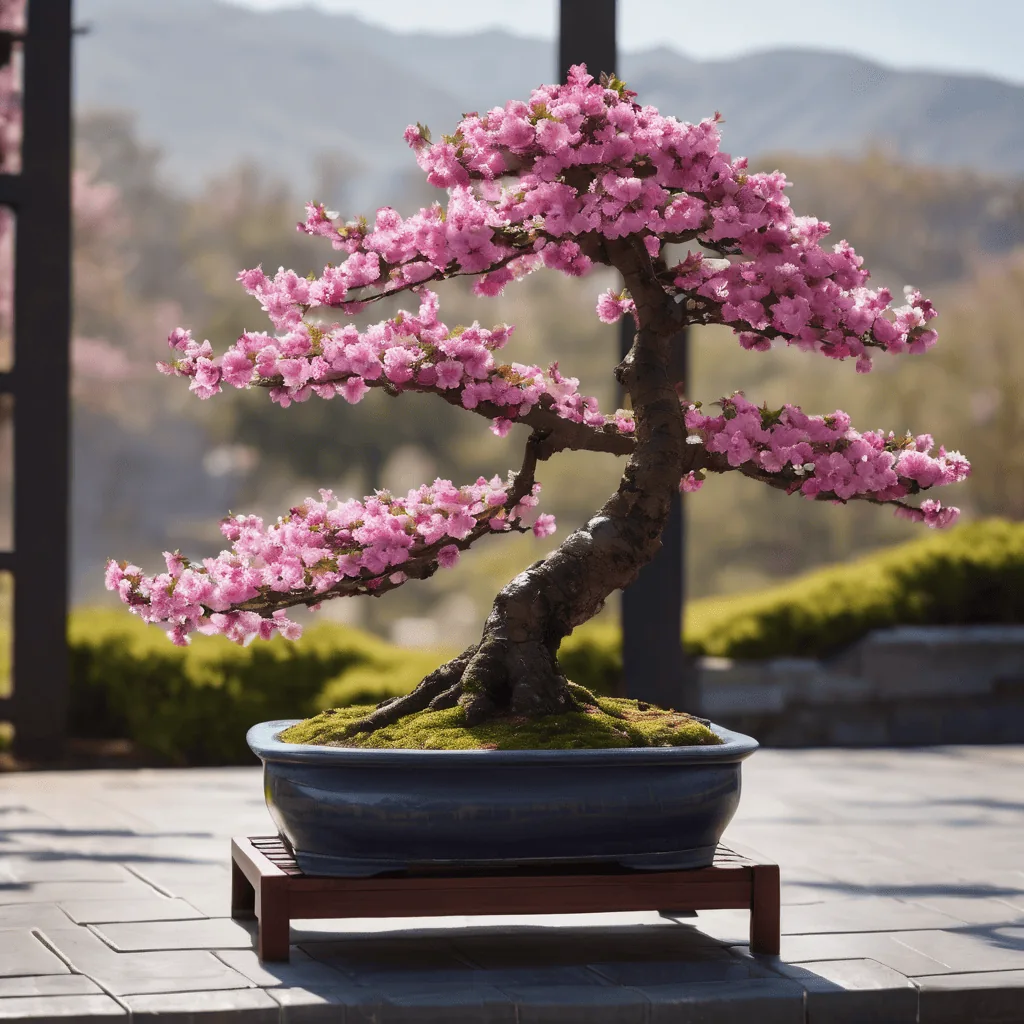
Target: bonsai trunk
[{"x": 514, "y": 668}]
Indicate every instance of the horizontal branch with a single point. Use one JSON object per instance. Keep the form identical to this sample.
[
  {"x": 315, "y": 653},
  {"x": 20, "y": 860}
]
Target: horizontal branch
[
  {"x": 559, "y": 434},
  {"x": 789, "y": 482},
  {"x": 422, "y": 565}
]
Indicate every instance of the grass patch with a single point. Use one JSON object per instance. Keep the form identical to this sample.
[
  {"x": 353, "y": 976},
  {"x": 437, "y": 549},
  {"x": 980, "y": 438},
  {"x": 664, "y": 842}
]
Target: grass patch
[{"x": 601, "y": 722}]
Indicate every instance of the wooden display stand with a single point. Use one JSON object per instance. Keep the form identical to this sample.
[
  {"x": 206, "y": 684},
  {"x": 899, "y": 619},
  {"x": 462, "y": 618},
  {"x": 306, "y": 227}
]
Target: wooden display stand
[{"x": 268, "y": 884}]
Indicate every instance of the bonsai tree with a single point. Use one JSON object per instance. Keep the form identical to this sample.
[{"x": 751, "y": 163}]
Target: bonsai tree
[{"x": 578, "y": 176}]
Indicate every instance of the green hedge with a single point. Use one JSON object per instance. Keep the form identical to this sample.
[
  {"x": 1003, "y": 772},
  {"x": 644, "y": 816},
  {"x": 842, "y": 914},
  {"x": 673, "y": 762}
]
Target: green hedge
[
  {"x": 970, "y": 574},
  {"x": 193, "y": 705}
]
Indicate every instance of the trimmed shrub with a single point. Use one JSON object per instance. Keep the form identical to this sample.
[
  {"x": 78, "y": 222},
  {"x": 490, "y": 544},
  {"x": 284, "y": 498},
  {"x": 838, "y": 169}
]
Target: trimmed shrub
[
  {"x": 969, "y": 575},
  {"x": 193, "y": 705}
]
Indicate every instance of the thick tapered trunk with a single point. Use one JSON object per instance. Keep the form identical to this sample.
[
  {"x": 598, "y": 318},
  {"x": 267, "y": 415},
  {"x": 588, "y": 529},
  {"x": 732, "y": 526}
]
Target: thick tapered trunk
[{"x": 514, "y": 668}]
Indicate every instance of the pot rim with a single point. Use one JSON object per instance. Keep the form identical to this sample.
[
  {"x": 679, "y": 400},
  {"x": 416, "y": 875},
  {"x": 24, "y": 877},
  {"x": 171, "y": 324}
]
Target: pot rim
[{"x": 264, "y": 742}]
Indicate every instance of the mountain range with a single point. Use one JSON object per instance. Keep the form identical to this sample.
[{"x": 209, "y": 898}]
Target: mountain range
[{"x": 213, "y": 84}]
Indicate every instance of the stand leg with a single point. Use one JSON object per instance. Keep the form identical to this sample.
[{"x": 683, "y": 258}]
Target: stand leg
[
  {"x": 765, "y": 910},
  {"x": 243, "y": 895},
  {"x": 274, "y": 925}
]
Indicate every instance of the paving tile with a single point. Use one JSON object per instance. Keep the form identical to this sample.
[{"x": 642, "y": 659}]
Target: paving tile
[
  {"x": 577, "y": 1004},
  {"x": 474, "y": 1003},
  {"x": 301, "y": 971},
  {"x": 241, "y": 1006},
  {"x": 155, "y": 908},
  {"x": 540, "y": 975},
  {"x": 206, "y": 933},
  {"x": 856, "y": 914},
  {"x": 48, "y": 985},
  {"x": 143, "y": 973},
  {"x": 425, "y": 956},
  {"x": 761, "y": 1000},
  {"x": 53, "y": 866},
  {"x": 972, "y": 948},
  {"x": 853, "y": 991},
  {"x": 54, "y": 892},
  {"x": 355, "y": 1004},
  {"x": 33, "y": 915},
  {"x": 577, "y": 946},
  {"x": 977, "y": 909},
  {"x": 21, "y": 952},
  {"x": 871, "y": 913},
  {"x": 211, "y": 898},
  {"x": 994, "y": 997},
  {"x": 68, "y": 1008},
  {"x": 886, "y": 947},
  {"x": 24, "y": 819},
  {"x": 722, "y": 967}
]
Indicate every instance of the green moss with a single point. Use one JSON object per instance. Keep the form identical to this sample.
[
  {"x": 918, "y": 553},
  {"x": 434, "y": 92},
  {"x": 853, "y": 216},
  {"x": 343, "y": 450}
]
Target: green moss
[{"x": 601, "y": 722}]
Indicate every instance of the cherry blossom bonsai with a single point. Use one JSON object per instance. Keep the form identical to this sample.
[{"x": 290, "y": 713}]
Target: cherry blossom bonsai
[{"x": 579, "y": 176}]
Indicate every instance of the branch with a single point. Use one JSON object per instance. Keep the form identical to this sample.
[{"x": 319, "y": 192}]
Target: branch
[
  {"x": 559, "y": 434},
  {"x": 715, "y": 462},
  {"x": 824, "y": 458},
  {"x": 397, "y": 289},
  {"x": 423, "y": 565}
]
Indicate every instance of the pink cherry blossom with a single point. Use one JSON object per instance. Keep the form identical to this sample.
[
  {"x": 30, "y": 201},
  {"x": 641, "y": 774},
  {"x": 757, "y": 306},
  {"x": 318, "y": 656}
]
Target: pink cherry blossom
[
  {"x": 562, "y": 180},
  {"x": 321, "y": 548},
  {"x": 544, "y": 526}
]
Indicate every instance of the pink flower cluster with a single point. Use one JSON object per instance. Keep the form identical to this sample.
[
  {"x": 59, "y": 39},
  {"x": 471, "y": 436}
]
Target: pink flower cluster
[
  {"x": 554, "y": 181},
  {"x": 824, "y": 457},
  {"x": 406, "y": 352},
  {"x": 795, "y": 291},
  {"x": 322, "y": 548},
  {"x": 587, "y": 158},
  {"x": 529, "y": 179},
  {"x": 612, "y": 307}
]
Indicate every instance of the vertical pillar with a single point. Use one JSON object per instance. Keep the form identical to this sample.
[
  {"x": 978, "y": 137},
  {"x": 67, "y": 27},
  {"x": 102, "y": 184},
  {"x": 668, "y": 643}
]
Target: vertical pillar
[
  {"x": 42, "y": 321},
  {"x": 654, "y": 666},
  {"x": 586, "y": 35}
]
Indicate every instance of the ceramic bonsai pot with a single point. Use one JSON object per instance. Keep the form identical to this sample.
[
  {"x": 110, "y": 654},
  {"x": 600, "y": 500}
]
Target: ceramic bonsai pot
[{"x": 360, "y": 812}]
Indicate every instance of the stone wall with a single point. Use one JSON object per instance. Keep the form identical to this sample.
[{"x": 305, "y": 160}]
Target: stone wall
[{"x": 898, "y": 687}]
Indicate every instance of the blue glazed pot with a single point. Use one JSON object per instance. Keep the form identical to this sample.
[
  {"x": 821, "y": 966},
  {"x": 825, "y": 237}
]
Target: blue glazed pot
[{"x": 359, "y": 812}]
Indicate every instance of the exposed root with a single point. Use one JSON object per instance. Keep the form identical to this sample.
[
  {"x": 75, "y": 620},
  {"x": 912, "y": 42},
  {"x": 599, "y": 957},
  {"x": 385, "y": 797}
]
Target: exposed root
[
  {"x": 432, "y": 687},
  {"x": 491, "y": 679}
]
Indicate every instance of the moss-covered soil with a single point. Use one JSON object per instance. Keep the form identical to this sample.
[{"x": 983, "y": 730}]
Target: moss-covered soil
[{"x": 600, "y": 723}]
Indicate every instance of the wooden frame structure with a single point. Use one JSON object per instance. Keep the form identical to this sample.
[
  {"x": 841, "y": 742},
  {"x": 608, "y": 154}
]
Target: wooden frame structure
[
  {"x": 266, "y": 883},
  {"x": 40, "y": 196}
]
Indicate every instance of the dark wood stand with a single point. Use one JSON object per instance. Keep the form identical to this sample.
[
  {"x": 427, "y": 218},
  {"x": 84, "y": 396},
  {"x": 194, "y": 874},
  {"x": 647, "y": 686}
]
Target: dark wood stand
[{"x": 268, "y": 884}]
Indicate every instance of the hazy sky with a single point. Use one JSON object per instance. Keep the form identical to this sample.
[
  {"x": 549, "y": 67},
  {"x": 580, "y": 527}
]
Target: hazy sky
[{"x": 952, "y": 35}]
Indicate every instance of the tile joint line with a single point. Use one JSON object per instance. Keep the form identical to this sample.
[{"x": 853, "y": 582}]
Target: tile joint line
[{"x": 45, "y": 940}]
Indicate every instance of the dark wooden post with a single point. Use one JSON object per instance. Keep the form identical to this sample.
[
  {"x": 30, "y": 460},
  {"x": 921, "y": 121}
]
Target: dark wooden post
[
  {"x": 39, "y": 381},
  {"x": 654, "y": 666},
  {"x": 586, "y": 35}
]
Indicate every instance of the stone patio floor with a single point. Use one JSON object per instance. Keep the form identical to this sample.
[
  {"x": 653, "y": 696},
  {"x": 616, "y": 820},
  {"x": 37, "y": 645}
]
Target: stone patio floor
[{"x": 903, "y": 901}]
